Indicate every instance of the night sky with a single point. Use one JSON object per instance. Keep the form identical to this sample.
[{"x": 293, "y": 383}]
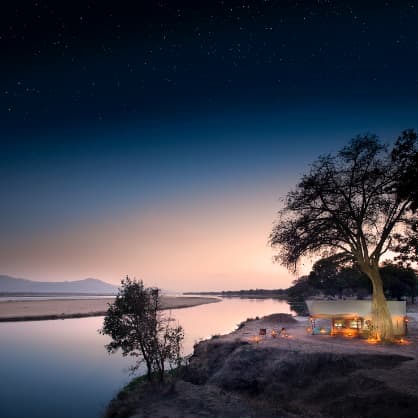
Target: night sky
[{"x": 155, "y": 138}]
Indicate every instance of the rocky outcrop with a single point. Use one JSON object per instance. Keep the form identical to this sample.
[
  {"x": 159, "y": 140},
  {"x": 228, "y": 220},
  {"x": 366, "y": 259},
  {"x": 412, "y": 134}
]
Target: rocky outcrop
[{"x": 327, "y": 384}]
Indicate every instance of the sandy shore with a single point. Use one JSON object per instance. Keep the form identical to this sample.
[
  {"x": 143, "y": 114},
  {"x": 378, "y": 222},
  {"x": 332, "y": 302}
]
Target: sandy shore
[{"x": 33, "y": 310}]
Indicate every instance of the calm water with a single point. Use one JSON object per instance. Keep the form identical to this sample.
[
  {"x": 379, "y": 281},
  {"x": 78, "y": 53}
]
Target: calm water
[
  {"x": 60, "y": 368},
  {"x": 24, "y": 298}
]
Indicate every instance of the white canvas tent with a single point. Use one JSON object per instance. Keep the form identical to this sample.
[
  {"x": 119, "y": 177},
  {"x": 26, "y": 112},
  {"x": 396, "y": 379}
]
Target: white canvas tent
[{"x": 355, "y": 315}]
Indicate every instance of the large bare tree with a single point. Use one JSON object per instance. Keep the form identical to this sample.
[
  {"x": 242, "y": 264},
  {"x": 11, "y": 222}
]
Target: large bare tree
[{"x": 349, "y": 204}]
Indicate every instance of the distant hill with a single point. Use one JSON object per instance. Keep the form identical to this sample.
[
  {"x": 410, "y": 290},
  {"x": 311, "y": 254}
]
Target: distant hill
[{"x": 10, "y": 284}]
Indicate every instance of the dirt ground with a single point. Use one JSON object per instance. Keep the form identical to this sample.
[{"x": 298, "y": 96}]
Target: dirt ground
[{"x": 404, "y": 377}]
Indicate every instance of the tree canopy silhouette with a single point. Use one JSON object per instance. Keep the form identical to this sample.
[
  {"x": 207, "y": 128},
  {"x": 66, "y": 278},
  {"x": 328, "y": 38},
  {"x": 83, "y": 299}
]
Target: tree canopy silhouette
[
  {"x": 352, "y": 204},
  {"x": 406, "y": 155},
  {"x": 333, "y": 276}
]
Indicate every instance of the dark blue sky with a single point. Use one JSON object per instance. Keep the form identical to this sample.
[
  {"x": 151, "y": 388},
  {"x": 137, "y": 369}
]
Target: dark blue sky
[
  {"x": 114, "y": 108},
  {"x": 104, "y": 64}
]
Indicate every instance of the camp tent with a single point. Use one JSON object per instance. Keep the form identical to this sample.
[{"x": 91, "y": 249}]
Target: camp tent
[{"x": 352, "y": 317}]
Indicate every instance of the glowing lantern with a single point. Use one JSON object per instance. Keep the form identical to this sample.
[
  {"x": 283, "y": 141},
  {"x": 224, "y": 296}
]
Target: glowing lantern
[
  {"x": 372, "y": 340},
  {"x": 256, "y": 339}
]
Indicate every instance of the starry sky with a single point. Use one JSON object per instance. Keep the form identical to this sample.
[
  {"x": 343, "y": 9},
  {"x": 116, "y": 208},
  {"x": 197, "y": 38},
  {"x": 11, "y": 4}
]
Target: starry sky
[{"x": 156, "y": 138}]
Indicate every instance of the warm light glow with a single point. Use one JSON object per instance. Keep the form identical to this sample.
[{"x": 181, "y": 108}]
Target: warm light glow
[
  {"x": 256, "y": 339},
  {"x": 349, "y": 333}
]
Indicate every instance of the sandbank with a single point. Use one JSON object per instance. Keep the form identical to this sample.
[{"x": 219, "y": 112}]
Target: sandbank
[{"x": 33, "y": 310}]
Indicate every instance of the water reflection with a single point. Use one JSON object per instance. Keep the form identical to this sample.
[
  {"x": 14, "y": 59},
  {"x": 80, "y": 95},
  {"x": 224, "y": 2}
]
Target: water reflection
[
  {"x": 61, "y": 369},
  {"x": 57, "y": 369},
  {"x": 203, "y": 321}
]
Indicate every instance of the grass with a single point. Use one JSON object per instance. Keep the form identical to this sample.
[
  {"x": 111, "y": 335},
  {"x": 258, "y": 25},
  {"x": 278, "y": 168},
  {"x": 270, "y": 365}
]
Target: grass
[
  {"x": 134, "y": 384},
  {"x": 137, "y": 382},
  {"x": 128, "y": 398}
]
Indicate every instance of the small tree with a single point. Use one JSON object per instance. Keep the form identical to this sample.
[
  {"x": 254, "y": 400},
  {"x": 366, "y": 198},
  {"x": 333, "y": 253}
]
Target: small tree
[
  {"x": 351, "y": 204},
  {"x": 140, "y": 329}
]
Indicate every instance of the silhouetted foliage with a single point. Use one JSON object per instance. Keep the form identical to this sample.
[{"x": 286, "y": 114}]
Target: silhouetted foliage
[
  {"x": 139, "y": 328},
  {"x": 335, "y": 276},
  {"x": 300, "y": 290},
  {"x": 399, "y": 281},
  {"x": 350, "y": 204},
  {"x": 406, "y": 155},
  {"x": 407, "y": 246},
  {"x": 328, "y": 278}
]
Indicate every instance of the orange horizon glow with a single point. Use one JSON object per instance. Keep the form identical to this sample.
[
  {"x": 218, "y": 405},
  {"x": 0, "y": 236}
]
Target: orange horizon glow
[{"x": 217, "y": 244}]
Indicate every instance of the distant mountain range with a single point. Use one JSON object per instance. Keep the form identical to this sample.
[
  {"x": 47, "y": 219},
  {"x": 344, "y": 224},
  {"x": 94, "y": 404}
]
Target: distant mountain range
[{"x": 90, "y": 286}]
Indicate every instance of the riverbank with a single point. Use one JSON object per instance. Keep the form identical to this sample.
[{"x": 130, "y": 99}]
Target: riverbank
[
  {"x": 36, "y": 310},
  {"x": 243, "y": 374}
]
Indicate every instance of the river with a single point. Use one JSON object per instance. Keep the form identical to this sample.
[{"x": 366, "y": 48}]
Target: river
[{"x": 60, "y": 368}]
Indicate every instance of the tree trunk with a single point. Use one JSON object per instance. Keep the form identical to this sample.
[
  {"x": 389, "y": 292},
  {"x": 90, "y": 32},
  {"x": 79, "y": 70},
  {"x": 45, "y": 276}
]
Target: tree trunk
[
  {"x": 381, "y": 317},
  {"x": 149, "y": 369},
  {"x": 162, "y": 371}
]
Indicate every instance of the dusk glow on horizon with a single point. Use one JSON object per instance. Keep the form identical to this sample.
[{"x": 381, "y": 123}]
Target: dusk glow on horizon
[{"x": 156, "y": 140}]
